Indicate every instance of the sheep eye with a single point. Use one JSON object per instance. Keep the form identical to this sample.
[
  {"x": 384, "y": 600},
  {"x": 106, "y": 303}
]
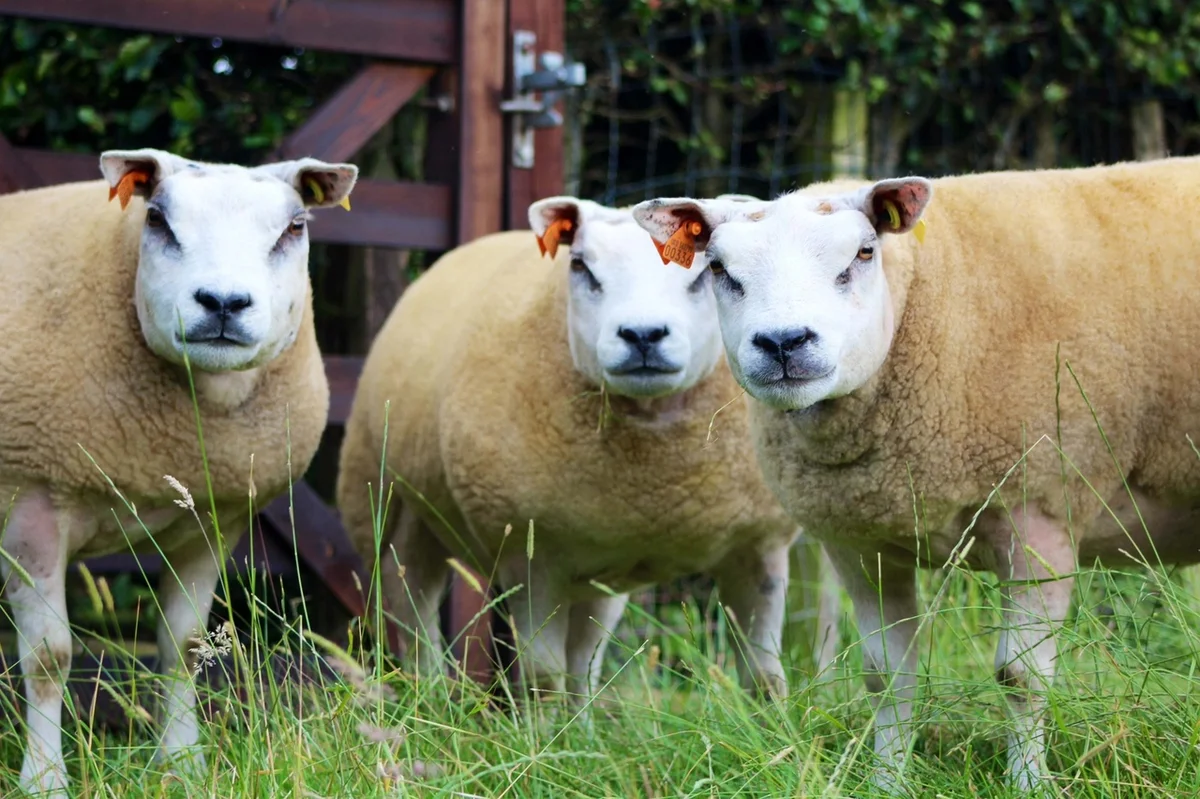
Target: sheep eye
[
  {"x": 723, "y": 279},
  {"x": 580, "y": 268},
  {"x": 866, "y": 253},
  {"x": 297, "y": 227},
  {"x": 155, "y": 218}
]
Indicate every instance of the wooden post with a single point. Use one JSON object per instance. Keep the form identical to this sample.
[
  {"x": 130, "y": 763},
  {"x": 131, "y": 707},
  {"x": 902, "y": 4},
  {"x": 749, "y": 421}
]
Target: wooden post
[
  {"x": 1149, "y": 133},
  {"x": 479, "y": 211},
  {"x": 849, "y": 134},
  {"x": 482, "y": 156},
  {"x": 546, "y": 18}
]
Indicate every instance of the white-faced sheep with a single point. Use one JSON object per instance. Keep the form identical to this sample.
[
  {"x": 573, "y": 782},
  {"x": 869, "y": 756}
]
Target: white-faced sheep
[
  {"x": 576, "y": 393},
  {"x": 99, "y": 295},
  {"x": 897, "y": 379}
]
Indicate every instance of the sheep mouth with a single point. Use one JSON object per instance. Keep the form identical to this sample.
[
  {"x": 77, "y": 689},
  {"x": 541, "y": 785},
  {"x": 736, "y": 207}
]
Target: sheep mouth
[
  {"x": 780, "y": 378},
  {"x": 789, "y": 380},
  {"x": 222, "y": 341},
  {"x": 643, "y": 364},
  {"x": 645, "y": 370},
  {"x": 218, "y": 333}
]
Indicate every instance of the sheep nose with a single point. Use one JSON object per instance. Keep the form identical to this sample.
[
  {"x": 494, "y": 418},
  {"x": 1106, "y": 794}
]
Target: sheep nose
[
  {"x": 643, "y": 338},
  {"x": 781, "y": 344},
  {"x": 224, "y": 305}
]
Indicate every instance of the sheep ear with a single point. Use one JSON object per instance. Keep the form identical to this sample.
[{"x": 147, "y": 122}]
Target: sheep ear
[
  {"x": 554, "y": 221},
  {"x": 139, "y": 172},
  {"x": 320, "y": 185},
  {"x": 681, "y": 226},
  {"x": 895, "y": 205}
]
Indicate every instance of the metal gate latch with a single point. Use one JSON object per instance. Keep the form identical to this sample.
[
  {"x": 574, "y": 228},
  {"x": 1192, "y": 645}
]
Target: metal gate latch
[{"x": 552, "y": 81}]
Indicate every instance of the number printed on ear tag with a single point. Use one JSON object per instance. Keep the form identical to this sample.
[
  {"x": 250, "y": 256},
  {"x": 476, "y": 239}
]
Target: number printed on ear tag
[{"x": 681, "y": 247}]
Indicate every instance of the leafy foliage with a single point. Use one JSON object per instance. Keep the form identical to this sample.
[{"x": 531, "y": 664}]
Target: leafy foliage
[
  {"x": 718, "y": 85},
  {"x": 70, "y": 87}
]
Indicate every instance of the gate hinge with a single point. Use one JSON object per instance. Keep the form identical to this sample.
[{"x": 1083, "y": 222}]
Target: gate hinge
[{"x": 555, "y": 77}]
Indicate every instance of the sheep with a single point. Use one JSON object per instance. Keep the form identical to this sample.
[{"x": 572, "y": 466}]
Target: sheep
[
  {"x": 95, "y": 389},
  {"x": 889, "y": 370},
  {"x": 573, "y": 395}
]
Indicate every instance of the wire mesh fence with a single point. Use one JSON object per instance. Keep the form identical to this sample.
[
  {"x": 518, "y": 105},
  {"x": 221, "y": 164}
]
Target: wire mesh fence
[{"x": 717, "y": 104}]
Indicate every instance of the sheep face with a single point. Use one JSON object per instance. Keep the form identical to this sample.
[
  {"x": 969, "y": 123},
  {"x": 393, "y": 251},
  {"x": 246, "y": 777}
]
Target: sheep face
[
  {"x": 640, "y": 328},
  {"x": 223, "y": 259},
  {"x": 804, "y": 307}
]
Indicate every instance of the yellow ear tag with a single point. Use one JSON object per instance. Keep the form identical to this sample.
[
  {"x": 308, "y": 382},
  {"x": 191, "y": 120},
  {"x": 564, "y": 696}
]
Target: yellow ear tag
[
  {"x": 315, "y": 188},
  {"x": 548, "y": 241},
  {"x": 345, "y": 203},
  {"x": 893, "y": 214},
  {"x": 681, "y": 247},
  {"x": 894, "y": 217}
]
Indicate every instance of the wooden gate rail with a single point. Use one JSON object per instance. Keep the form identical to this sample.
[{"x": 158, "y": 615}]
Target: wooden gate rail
[
  {"x": 461, "y": 50},
  {"x": 411, "y": 30}
]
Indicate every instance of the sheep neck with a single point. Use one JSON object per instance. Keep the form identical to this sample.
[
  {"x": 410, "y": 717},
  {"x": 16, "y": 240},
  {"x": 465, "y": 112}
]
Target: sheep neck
[
  {"x": 225, "y": 390},
  {"x": 658, "y": 410}
]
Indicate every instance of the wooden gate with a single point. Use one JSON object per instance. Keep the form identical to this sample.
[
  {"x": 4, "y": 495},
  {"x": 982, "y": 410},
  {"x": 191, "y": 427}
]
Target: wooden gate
[{"x": 464, "y": 50}]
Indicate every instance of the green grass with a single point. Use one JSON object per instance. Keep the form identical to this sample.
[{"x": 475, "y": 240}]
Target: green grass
[{"x": 1125, "y": 717}]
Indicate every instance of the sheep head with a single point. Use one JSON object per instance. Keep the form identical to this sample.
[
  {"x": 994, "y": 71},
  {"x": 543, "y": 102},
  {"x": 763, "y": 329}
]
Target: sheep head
[
  {"x": 804, "y": 307},
  {"x": 223, "y": 258},
  {"x": 640, "y": 329}
]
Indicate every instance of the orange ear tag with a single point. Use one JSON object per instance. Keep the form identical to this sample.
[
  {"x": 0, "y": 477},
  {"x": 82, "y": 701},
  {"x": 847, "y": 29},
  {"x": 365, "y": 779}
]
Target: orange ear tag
[
  {"x": 681, "y": 247},
  {"x": 126, "y": 185},
  {"x": 548, "y": 241}
]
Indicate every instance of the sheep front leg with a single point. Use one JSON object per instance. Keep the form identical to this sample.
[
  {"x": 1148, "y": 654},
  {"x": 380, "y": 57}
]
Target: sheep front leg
[
  {"x": 829, "y": 614},
  {"x": 36, "y": 536},
  {"x": 592, "y": 624},
  {"x": 412, "y": 572},
  {"x": 754, "y": 586},
  {"x": 1032, "y": 612},
  {"x": 185, "y": 595},
  {"x": 885, "y": 606},
  {"x": 540, "y": 624}
]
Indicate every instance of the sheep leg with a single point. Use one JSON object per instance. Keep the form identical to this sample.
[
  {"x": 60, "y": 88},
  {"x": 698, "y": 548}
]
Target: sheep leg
[
  {"x": 754, "y": 586},
  {"x": 412, "y": 574},
  {"x": 540, "y": 623},
  {"x": 1025, "y": 655},
  {"x": 36, "y": 536},
  {"x": 592, "y": 624},
  {"x": 185, "y": 596},
  {"x": 885, "y": 606},
  {"x": 829, "y": 613}
]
